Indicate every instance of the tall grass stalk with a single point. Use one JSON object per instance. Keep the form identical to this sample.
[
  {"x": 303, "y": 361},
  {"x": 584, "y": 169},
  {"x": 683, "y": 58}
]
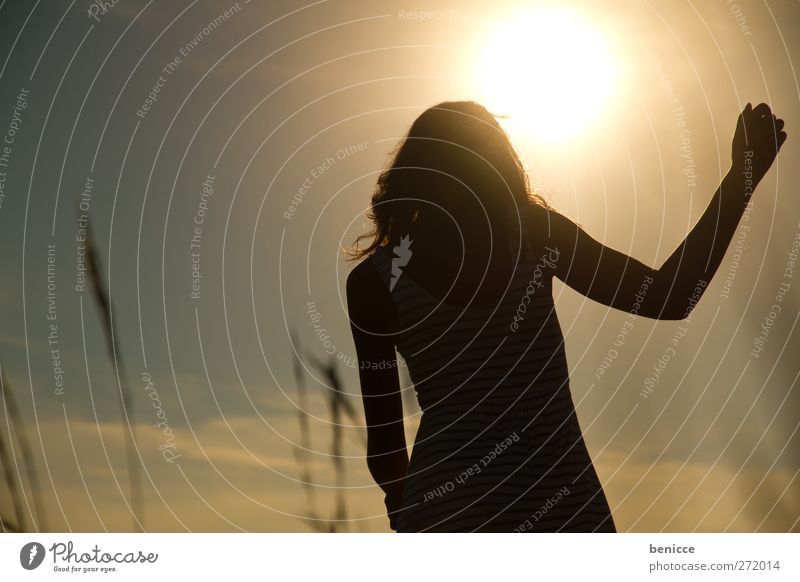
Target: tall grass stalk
[
  {"x": 302, "y": 452},
  {"x": 125, "y": 400},
  {"x": 12, "y": 482},
  {"x": 339, "y": 407},
  {"x": 18, "y": 427},
  {"x": 7, "y": 526}
]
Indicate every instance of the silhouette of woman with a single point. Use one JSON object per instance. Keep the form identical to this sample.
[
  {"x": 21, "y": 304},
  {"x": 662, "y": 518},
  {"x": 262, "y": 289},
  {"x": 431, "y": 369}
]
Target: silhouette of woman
[{"x": 457, "y": 278}]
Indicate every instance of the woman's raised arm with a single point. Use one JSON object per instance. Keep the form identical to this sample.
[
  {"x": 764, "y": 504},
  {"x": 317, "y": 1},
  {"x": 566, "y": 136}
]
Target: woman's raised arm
[{"x": 670, "y": 292}]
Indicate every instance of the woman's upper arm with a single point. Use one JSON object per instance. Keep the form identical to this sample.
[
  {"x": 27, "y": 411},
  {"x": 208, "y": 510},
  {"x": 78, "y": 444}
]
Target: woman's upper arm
[
  {"x": 604, "y": 274},
  {"x": 373, "y": 322}
]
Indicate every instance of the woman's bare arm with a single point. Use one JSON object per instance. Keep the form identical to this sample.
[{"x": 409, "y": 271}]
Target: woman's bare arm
[
  {"x": 671, "y": 292},
  {"x": 373, "y": 319}
]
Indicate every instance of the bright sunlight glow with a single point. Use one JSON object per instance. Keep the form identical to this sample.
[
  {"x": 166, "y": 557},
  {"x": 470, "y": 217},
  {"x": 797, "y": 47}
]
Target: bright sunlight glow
[{"x": 549, "y": 70}]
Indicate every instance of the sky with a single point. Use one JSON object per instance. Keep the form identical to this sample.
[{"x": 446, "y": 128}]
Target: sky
[{"x": 225, "y": 153}]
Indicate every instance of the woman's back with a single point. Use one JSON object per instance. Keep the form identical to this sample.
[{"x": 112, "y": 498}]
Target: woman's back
[
  {"x": 491, "y": 379},
  {"x": 460, "y": 345}
]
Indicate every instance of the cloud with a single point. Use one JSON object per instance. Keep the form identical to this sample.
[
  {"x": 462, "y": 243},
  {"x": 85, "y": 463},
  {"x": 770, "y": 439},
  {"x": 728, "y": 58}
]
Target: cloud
[
  {"x": 231, "y": 474},
  {"x": 671, "y": 496}
]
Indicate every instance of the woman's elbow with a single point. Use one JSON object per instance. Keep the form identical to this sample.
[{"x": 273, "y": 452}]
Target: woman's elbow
[
  {"x": 662, "y": 315},
  {"x": 675, "y": 315},
  {"x": 673, "y": 307},
  {"x": 683, "y": 309},
  {"x": 673, "y": 312}
]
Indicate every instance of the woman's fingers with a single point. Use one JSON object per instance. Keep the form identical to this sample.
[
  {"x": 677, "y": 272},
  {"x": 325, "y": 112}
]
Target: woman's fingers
[
  {"x": 774, "y": 126},
  {"x": 758, "y": 128},
  {"x": 761, "y": 110},
  {"x": 769, "y": 124}
]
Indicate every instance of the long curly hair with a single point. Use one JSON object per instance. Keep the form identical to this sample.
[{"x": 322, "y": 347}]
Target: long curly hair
[{"x": 455, "y": 157}]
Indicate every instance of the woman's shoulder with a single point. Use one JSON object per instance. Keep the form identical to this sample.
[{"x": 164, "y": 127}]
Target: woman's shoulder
[
  {"x": 551, "y": 236},
  {"x": 369, "y": 278},
  {"x": 547, "y": 227},
  {"x": 368, "y": 300},
  {"x": 365, "y": 275}
]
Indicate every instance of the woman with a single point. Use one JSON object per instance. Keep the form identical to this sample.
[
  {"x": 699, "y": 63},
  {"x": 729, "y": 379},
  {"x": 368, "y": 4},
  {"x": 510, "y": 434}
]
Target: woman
[{"x": 457, "y": 278}]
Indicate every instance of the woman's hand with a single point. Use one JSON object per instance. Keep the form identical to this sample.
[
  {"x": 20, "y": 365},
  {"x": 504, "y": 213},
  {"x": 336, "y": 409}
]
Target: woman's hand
[
  {"x": 393, "y": 501},
  {"x": 758, "y": 138}
]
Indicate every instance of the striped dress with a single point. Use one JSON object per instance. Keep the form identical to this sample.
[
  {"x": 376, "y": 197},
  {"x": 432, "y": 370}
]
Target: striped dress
[{"x": 499, "y": 447}]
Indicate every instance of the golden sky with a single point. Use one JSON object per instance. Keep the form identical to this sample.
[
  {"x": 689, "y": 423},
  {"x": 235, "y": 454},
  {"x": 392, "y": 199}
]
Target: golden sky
[{"x": 292, "y": 110}]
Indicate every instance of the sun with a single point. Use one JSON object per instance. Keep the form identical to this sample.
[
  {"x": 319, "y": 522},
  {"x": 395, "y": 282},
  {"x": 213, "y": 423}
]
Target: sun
[{"x": 549, "y": 70}]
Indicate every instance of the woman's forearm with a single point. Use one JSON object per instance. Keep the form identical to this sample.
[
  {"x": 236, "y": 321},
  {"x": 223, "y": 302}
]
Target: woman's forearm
[
  {"x": 686, "y": 274},
  {"x": 389, "y": 471},
  {"x": 690, "y": 268}
]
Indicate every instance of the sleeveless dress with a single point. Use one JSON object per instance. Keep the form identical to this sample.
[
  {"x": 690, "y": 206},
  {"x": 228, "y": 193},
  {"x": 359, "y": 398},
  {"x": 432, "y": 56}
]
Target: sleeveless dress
[{"x": 499, "y": 447}]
